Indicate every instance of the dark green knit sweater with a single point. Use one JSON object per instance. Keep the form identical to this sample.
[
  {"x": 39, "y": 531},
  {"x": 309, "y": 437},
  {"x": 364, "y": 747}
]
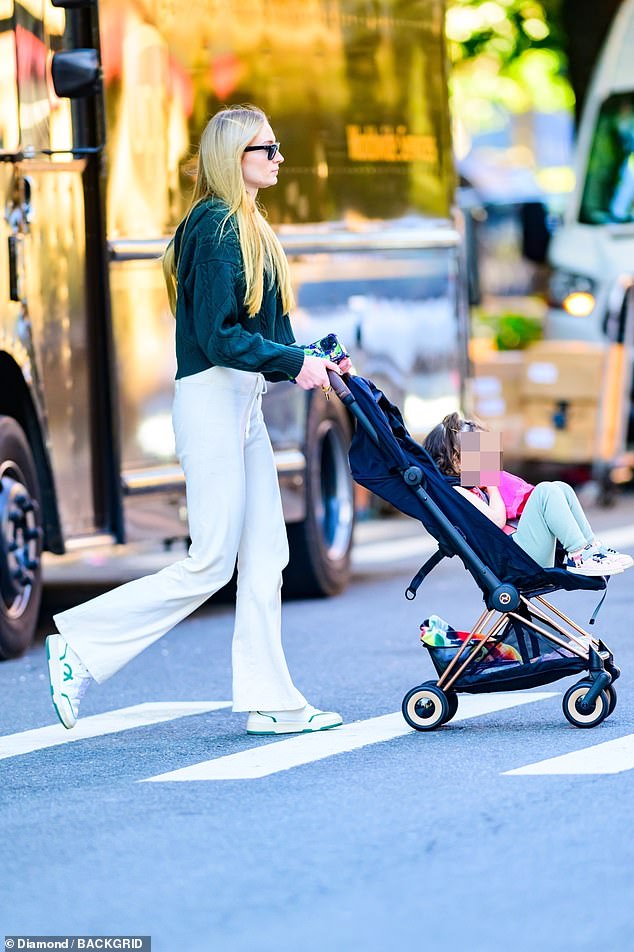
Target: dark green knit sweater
[{"x": 213, "y": 327}]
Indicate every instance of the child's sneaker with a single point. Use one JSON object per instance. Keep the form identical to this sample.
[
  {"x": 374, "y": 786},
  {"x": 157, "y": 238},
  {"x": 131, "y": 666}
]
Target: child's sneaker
[
  {"x": 626, "y": 561},
  {"x": 69, "y": 679},
  {"x": 592, "y": 561}
]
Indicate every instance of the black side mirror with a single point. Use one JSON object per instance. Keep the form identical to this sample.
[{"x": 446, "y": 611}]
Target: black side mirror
[
  {"x": 76, "y": 73},
  {"x": 535, "y": 232}
]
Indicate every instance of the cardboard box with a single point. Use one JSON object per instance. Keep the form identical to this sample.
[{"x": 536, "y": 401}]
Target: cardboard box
[
  {"x": 491, "y": 412},
  {"x": 494, "y": 390},
  {"x": 564, "y": 370},
  {"x": 543, "y": 400},
  {"x": 565, "y": 432},
  {"x": 511, "y": 429}
]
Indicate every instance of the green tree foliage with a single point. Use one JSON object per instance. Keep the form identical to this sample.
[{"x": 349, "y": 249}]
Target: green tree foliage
[{"x": 506, "y": 54}]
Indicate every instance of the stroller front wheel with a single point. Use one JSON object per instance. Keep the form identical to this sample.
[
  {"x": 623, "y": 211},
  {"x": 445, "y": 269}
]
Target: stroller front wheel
[
  {"x": 425, "y": 707},
  {"x": 574, "y": 713}
]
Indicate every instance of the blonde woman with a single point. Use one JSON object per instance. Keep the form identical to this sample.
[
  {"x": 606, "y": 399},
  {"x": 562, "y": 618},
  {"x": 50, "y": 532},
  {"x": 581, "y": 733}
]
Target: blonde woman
[{"x": 229, "y": 288}]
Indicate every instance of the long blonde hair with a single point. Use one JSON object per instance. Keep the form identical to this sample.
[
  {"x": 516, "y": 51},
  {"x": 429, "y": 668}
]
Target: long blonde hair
[{"x": 219, "y": 174}]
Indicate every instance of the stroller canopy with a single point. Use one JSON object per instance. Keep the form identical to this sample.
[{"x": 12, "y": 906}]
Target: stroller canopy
[{"x": 380, "y": 467}]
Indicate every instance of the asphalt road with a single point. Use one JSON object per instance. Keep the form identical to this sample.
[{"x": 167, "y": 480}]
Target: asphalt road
[{"x": 400, "y": 839}]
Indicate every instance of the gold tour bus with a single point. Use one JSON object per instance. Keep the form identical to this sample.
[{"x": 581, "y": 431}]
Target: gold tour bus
[{"x": 101, "y": 108}]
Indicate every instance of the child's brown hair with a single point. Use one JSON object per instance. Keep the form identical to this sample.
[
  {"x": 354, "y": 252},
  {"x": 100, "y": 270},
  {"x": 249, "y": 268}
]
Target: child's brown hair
[{"x": 443, "y": 442}]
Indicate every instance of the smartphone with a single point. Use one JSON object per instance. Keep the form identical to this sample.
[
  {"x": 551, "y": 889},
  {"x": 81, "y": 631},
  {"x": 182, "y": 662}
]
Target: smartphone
[{"x": 328, "y": 347}]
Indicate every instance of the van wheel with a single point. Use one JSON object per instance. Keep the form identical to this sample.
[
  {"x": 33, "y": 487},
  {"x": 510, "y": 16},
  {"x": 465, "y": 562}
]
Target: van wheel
[
  {"x": 20, "y": 541},
  {"x": 320, "y": 546},
  {"x": 606, "y": 491}
]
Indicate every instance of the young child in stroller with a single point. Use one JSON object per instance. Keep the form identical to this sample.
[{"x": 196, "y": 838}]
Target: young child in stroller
[{"x": 537, "y": 516}]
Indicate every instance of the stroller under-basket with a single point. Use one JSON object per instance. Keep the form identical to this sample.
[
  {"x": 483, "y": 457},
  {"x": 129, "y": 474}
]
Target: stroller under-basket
[{"x": 520, "y": 640}]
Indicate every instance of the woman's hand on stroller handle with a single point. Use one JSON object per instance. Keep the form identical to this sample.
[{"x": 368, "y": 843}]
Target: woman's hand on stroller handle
[
  {"x": 315, "y": 372},
  {"x": 338, "y": 385}
]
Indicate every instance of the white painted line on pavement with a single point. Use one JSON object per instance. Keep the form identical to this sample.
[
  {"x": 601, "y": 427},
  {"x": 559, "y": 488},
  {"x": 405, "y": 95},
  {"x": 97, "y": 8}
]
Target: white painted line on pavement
[
  {"x": 111, "y": 722},
  {"x": 613, "y": 756},
  {"x": 306, "y": 748}
]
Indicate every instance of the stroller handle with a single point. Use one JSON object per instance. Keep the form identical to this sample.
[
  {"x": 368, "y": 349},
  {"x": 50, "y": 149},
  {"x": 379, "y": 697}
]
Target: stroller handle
[
  {"x": 347, "y": 398},
  {"x": 338, "y": 385},
  {"x": 500, "y": 596}
]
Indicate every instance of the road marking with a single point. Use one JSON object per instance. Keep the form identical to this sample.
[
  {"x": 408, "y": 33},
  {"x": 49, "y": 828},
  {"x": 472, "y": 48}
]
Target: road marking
[
  {"x": 306, "y": 748},
  {"x": 111, "y": 722},
  {"x": 613, "y": 756}
]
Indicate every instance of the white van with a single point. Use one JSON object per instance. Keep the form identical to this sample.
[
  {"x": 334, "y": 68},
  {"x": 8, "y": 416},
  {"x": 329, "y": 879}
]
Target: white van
[{"x": 592, "y": 252}]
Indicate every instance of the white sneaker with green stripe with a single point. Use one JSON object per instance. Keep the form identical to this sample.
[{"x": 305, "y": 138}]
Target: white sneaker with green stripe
[
  {"x": 305, "y": 720},
  {"x": 68, "y": 677}
]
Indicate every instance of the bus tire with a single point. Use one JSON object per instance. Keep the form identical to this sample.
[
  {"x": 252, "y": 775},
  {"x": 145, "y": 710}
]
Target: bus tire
[
  {"x": 20, "y": 541},
  {"x": 320, "y": 546}
]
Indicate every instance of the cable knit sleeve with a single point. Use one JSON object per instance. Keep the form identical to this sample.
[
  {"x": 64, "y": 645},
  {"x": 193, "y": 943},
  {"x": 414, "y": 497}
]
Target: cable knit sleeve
[{"x": 221, "y": 335}]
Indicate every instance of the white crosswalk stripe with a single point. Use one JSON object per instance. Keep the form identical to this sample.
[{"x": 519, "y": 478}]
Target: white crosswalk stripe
[
  {"x": 610, "y": 757},
  {"x": 111, "y": 722},
  {"x": 304, "y": 749},
  {"x": 613, "y": 756}
]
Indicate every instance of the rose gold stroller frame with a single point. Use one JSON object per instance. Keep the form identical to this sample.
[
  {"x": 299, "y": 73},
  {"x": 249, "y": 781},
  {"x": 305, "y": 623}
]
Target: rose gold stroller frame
[{"x": 570, "y": 640}]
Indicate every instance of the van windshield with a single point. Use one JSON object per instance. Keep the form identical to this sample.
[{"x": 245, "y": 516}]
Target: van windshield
[{"x": 608, "y": 194}]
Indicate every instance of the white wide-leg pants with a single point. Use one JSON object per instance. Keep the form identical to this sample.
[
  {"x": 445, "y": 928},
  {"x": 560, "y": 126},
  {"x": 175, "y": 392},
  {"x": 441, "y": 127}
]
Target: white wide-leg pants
[{"x": 235, "y": 510}]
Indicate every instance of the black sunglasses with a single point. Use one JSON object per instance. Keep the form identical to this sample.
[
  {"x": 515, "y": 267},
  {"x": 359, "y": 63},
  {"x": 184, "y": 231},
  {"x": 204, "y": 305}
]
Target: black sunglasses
[{"x": 271, "y": 150}]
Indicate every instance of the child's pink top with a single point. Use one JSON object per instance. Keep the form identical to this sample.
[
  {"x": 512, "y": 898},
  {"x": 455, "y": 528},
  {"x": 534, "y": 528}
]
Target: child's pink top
[{"x": 514, "y": 491}]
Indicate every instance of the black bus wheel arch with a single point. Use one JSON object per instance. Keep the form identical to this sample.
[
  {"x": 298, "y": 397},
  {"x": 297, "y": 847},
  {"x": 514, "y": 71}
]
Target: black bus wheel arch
[{"x": 20, "y": 541}]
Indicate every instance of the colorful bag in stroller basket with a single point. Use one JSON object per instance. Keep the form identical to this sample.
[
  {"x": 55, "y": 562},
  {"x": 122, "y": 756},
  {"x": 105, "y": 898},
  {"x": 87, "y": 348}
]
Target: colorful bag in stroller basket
[
  {"x": 518, "y": 659},
  {"x": 520, "y": 640}
]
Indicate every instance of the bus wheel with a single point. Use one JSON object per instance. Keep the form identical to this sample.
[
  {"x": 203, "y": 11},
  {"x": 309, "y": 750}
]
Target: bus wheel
[
  {"x": 320, "y": 546},
  {"x": 20, "y": 541}
]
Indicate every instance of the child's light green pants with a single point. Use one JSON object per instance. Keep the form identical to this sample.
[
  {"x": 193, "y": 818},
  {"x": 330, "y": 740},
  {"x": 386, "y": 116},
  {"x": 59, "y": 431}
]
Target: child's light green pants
[{"x": 552, "y": 512}]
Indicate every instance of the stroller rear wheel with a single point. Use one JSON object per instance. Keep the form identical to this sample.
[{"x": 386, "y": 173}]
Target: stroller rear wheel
[
  {"x": 576, "y": 715},
  {"x": 452, "y": 703},
  {"x": 425, "y": 707}
]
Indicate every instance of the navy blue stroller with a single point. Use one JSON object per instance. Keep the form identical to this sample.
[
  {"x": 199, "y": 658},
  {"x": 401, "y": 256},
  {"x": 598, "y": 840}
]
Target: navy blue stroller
[{"x": 520, "y": 640}]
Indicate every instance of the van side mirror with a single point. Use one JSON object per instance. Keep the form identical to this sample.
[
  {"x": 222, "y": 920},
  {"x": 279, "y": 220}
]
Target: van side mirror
[
  {"x": 535, "y": 231},
  {"x": 76, "y": 73}
]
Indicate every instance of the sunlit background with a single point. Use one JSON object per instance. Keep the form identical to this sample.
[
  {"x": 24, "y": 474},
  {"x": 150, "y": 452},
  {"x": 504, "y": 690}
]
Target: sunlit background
[
  {"x": 512, "y": 101},
  {"x": 513, "y": 133}
]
